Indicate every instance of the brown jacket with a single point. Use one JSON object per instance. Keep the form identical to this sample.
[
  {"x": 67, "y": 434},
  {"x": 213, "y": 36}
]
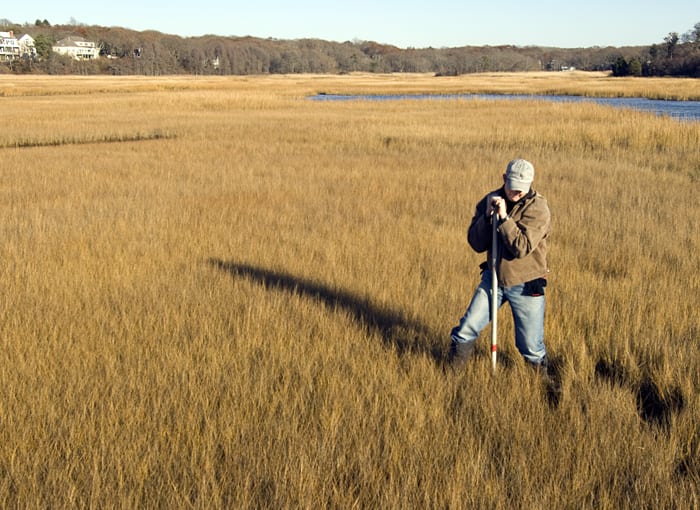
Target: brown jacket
[{"x": 522, "y": 238}]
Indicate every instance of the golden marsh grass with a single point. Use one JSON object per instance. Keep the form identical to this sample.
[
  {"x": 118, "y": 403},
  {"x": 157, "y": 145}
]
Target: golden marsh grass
[{"x": 217, "y": 294}]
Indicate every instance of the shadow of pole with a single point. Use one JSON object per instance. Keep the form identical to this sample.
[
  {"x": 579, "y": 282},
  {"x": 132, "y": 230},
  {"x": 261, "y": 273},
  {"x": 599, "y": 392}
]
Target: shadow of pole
[{"x": 397, "y": 332}]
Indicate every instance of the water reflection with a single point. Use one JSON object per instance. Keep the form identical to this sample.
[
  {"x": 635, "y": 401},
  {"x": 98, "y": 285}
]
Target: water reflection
[{"x": 685, "y": 110}]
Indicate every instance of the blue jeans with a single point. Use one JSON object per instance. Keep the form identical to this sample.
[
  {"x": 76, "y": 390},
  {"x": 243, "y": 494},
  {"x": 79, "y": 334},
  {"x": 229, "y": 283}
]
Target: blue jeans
[{"x": 528, "y": 318}]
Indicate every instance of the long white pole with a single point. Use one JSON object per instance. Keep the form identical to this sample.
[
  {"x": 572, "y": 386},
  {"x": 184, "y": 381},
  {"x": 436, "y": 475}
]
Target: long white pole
[{"x": 494, "y": 292}]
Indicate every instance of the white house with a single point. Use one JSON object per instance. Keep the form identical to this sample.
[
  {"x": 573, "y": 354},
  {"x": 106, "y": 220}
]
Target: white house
[
  {"x": 26, "y": 46},
  {"x": 9, "y": 46},
  {"x": 77, "y": 47}
]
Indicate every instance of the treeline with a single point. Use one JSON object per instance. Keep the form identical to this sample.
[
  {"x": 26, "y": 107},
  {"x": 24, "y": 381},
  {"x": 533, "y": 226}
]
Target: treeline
[
  {"x": 678, "y": 55},
  {"x": 128, "y": 52}
]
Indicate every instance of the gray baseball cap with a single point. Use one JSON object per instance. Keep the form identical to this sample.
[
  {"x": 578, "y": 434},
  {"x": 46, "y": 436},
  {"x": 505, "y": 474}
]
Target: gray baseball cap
[{"x": 519, "y": 175}]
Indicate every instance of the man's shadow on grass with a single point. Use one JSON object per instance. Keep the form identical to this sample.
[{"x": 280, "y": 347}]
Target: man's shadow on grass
[{"x": 398, "y": 332}]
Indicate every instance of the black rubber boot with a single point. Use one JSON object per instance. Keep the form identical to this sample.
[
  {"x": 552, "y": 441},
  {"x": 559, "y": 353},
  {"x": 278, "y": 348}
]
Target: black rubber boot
[
  {"x": 459, "y": 354},
  {"x": 541, "y": 368},
  {"x": 550, "y": 375}
]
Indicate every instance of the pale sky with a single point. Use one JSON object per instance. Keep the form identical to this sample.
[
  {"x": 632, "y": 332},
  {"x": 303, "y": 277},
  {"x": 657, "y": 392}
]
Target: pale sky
[{"x": 403, "y": 23}]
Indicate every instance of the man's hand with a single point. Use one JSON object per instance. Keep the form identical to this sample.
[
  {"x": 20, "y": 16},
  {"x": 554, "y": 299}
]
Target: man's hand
[{"x": 497, "y": 204}]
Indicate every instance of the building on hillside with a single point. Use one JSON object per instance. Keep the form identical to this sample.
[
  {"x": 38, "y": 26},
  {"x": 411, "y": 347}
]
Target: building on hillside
[
  {"x": 9, "y": 46},
  {"x": 26, "y": 46},
  {"x": 77, "y": 48}
]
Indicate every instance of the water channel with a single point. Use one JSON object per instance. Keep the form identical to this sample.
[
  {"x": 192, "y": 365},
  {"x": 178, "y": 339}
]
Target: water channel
[{"x": 683, "y": 110}]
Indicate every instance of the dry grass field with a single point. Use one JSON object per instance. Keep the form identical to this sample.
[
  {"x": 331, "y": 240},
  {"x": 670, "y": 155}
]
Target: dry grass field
[{"x": 215, "y": 293}]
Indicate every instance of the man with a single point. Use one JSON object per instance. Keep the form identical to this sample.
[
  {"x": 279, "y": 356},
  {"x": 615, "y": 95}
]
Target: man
[{"x": 523, "y": 226}]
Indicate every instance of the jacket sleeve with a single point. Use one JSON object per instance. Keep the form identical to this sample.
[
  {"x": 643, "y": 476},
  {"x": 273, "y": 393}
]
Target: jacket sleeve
[
  {"x": 520, "y": 237},
  {"x": 479, "y": 232}
]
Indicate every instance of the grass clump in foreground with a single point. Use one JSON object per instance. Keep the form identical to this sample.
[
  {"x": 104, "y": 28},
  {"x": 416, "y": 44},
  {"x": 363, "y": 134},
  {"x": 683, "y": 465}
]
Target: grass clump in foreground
[{"x": 251, "y": 311}]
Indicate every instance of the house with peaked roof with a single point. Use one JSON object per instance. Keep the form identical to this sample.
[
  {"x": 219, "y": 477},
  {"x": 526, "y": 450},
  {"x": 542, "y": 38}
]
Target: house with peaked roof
[
  {"x": 26, "y": 46},
  {"x": 9, "y": 46},
  {"x": 77, "y": 48}
]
